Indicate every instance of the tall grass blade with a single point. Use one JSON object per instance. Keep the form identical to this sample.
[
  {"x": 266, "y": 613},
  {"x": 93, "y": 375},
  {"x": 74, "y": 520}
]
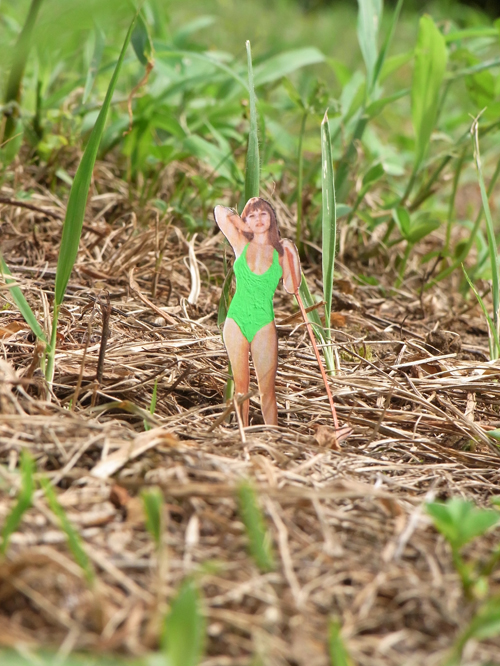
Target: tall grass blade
[
  {"x": 329, "y": 226},
  {"x": 312, "y": 315},
  {"x": 369, "y": 17},
  {"x": 21, "y": 302},
  {"x": 75, "y": 213},
  {"x": 74, "y": 540},
  {"x": 430, "y": 65},
  {"x": 258, "y": 537},
  {"x": 387, "y": 43},
  {"x": 252, "y": 170},
  {"x": 24, "y": 500},
  {"x": 21, "y": 51},
  {"x": 184, "y": 629},
  {"x": 153, "y": 508},
  {"x": 493, "y": 337},
  {"x": 490, "y": 231}
]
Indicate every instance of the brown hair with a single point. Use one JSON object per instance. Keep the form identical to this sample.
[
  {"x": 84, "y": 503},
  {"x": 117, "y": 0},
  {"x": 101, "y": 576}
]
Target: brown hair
[{"x": 273, "y": 234}]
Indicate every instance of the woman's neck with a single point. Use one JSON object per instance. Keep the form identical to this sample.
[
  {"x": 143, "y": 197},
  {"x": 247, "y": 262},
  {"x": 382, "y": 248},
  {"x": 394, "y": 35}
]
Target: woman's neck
[{"x": 260, "y": 239}]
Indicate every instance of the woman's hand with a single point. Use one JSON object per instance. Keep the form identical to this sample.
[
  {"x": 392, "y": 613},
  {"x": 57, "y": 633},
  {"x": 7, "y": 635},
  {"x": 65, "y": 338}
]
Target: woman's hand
[{"x": 290, "y": 263}]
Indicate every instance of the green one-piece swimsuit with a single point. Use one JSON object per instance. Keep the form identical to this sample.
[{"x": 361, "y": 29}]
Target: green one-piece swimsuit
[{"x": 252, "y": 304}]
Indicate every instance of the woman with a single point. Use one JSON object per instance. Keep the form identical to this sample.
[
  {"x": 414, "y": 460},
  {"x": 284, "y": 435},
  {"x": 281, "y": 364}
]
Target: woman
[{"x": 262, "y": 259}]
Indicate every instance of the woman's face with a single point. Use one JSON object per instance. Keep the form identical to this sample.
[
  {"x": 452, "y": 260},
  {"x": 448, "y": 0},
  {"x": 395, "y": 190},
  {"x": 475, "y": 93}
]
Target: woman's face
[{"x": 259, "y": 221}]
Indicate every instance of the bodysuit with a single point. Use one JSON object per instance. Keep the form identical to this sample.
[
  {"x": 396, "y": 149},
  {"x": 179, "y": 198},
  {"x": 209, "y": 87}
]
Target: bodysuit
[{"x": 252, "y": 304}]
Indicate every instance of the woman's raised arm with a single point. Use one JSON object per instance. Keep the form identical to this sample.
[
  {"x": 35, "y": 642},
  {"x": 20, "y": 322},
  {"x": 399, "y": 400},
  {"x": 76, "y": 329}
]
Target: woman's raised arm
[{"x": 232, "y": 226}]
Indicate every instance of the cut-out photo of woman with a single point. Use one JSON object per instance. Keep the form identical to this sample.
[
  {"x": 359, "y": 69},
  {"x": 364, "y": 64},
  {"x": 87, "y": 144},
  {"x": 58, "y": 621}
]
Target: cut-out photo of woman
[{"x": 262, "y": 260}]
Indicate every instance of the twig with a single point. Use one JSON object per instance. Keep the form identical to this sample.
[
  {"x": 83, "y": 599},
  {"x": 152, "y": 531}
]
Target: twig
[
  {"x": 106, "y": 314},
  {"x": 36, "y": 209}
]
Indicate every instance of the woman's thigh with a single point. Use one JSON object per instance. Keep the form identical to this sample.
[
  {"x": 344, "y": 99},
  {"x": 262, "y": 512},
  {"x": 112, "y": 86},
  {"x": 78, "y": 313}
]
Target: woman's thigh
[
  {"x": 238, "y": 348},
  {"x": 264, "y": 348}
]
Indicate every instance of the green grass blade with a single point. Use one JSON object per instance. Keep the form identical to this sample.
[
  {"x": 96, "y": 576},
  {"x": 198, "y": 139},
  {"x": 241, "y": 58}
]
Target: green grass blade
[
  {"x": 285, "y": 63},
  {"x": 75, "y": 213},
  {"x": 153, "y": 508},
  {"x": 490, "y": 231},
  {"x": 369, "y": 18},
  {"x": 152, "y": 406},
  {"x": 387, "y": 43},
  {"x": 430, "y": 65},
  {"x": 258, "y": 537},
  {"x": 24, "y": 500},
  {"x": 225, "y": 298},
  {"x": 252, "y": 169},
  {"x": 74, "y": 540},
  {"x": 493, "y": 336},
  {"x": 184, "y": 629},
  {"x": 313, "y": 315},
  {"x": 339, "y": 655},
  {"x": 21, "y": 302},
  {"x": 329, "y": 220},
  {"x": 14, "y": 82}
]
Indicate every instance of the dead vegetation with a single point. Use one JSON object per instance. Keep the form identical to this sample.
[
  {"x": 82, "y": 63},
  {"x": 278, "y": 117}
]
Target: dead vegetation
[{"x": 349, "y": 530}]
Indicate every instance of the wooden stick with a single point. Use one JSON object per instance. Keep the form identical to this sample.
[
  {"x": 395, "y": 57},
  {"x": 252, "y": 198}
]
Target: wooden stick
[{"x": 311, "y": 335}]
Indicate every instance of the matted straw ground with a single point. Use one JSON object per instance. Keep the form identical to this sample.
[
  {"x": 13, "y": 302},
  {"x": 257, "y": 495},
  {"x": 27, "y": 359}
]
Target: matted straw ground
[{"x": 348, "y": 524}]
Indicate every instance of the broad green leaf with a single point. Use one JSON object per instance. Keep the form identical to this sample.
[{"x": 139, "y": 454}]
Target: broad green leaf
[
  {"x": 342, "y": 210},
  {"x": 373, "y": 174},
  {"x": 401, "y": 217},
  {"x": 328, "y": 219},
  {"x": 23, "y": 500},
  {"x": 252, "y": 167},
  {"x": 285, "y": 63},
  {"x": 419, "y": 230},
  {"x": 21, "y": 302},
  {"x": 259, "y": 540},
  {"x": 74, "y": 540},
  {"x": 369, "y": 17},
  {"x": 152, "y": 501},
  {"x": 339, "y": 655},
  {"x": 496, "y": 435},
  {"x": 184, "y": 628},
  {"x": 460, "y": 521},
  {"x": 428, "y": 75},
  {"x": 141, "y": 42}
]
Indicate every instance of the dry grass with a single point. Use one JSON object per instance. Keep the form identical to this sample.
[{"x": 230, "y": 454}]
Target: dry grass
[{"x": 347, "y": 521}]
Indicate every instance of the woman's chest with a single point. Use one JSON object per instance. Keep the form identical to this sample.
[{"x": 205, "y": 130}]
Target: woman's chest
[{"x": 260, "y": 259}]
